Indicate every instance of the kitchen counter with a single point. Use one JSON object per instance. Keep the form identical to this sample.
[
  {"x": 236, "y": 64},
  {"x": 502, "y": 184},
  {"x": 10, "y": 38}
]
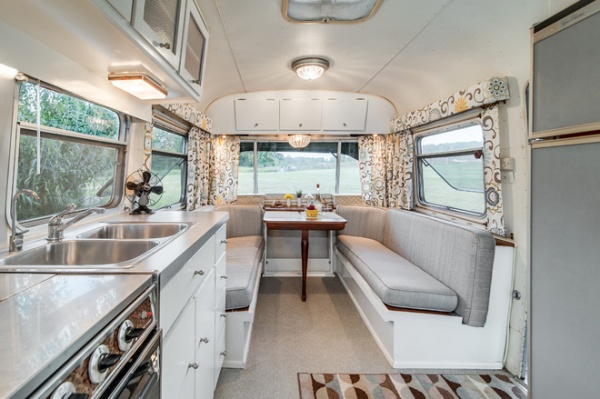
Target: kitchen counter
[
  {"x": 49, "y": 312},
  {"x": 166, "y": 261},
  {"x": 46, "y": 319}
]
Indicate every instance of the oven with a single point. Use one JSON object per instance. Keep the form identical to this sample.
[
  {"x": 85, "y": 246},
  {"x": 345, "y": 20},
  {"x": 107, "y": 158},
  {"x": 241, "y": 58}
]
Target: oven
[{"x": 121, "y": 362}]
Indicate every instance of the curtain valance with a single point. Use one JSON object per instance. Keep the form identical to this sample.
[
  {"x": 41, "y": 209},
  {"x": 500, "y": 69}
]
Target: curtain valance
[{"x": 483, "y": 93}]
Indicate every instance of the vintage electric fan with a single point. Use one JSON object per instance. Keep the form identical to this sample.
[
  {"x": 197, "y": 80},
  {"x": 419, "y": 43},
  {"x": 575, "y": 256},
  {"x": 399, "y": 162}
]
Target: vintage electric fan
[{"x": 140, "y": 184}]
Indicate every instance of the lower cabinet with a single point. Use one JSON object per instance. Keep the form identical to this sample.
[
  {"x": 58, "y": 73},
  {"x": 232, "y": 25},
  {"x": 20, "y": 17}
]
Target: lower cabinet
[{"x": 194, "y": 344}]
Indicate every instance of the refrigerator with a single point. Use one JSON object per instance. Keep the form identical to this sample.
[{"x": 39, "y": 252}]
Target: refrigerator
[{"x": 564, "y": 360}]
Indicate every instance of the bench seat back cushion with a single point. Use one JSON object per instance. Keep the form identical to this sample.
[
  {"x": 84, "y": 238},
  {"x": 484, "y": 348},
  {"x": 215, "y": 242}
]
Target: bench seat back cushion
[
  {"x": 395, "y": 280},
  {"x": 244, "y": 220},
  {"x": 459, "y": 256},
  {"x": 363, "y": 221},
  {"x": 244, "y": 255}
]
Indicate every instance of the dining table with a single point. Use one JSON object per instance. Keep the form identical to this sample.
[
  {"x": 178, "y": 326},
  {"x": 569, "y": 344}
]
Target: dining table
[{"x": 296, "y": 220}]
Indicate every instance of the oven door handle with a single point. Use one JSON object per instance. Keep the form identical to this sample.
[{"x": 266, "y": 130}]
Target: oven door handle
[{"x": 145, "y": 388}]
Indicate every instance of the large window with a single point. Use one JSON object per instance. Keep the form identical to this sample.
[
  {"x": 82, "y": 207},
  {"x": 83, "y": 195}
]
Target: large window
[
  {"x": 276, "y": 167},
  {"x": 169, "y": 162},
  {"x": 77, "y": 158},
  {"x": 450, "y": 170}
]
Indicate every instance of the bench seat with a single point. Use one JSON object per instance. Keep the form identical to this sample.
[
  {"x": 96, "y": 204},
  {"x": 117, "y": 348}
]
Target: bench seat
[
  {"x": 244, "y": 256},
  {"x": 395, "y": 280}
]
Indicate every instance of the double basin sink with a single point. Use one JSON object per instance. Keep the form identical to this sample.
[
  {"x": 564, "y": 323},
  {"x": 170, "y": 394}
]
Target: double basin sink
[{"x": 111, "y": 245}]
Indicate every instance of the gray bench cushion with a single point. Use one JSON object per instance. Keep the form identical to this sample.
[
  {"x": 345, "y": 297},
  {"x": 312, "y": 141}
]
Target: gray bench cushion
[
  {"x": 244, "y": 255},
  {"x": 244, "y": 220},
  {"x": 395, "y": 280}
]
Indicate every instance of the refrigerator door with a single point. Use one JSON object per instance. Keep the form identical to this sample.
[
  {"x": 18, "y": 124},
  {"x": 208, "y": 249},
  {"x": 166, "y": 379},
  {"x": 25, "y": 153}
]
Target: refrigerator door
[{"x": 565, "y": 270}]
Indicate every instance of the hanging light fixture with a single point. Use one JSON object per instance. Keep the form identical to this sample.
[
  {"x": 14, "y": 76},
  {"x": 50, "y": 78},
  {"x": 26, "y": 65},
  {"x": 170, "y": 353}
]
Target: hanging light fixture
[
  {"x": 299, "y": 140},
  {"x": 310, "y": 68}
]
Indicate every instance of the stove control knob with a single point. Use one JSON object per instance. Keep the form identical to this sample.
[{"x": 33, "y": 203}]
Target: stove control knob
[
  {"x": 66, "y": 390},
  {"x": 100, "y": 361},
  {"x": 127, "y": 333}
]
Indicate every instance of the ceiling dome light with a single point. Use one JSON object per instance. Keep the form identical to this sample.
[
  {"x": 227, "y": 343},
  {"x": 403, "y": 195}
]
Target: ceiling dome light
[
  {"x": 310, "y": 68},
  {"x": 299, "y": 140}
]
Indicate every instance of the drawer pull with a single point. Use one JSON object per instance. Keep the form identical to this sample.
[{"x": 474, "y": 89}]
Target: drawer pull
[
  {"x": 224, "y": 277},
  {"x": 224, "y": 241},
  {"x": 193, "y": 365},
  {"x": 224, "y": 353},
  {"x": 166, "y": 46},
  {"x": 223, "y": 315},
  {"x": 205, "y": 340},
  {"x": 199, "y": 272}
]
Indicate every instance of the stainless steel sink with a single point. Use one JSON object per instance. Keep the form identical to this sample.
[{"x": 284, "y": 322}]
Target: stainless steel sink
[
  {"x": 135, "y": 230},
  {"x": 81, "y": 253}
]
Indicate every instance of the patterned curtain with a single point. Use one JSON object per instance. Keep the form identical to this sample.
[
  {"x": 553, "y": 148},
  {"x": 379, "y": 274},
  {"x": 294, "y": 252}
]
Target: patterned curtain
[
  {"x": 400, "y": 170},
  {"x": 199, "y": 149},
  {"x": 491, "y": 170},
  {"x": 385, "y": 165},
  {"x": 224, "y": 160}
]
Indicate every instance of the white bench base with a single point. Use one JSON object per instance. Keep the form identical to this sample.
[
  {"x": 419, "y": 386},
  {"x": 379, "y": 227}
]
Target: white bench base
[
  {"x": 433, "y": 341},
  {"x": 239, "y": 331}
]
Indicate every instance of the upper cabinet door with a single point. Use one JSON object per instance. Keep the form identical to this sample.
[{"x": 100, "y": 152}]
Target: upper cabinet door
[
  {"x": 345, "y": 115},
  {"x": 158, "y": 22},
  {"x": 300, "y": 114},
  {"x": 195, "y": 45},
  {"x": 256, "y": 115}
]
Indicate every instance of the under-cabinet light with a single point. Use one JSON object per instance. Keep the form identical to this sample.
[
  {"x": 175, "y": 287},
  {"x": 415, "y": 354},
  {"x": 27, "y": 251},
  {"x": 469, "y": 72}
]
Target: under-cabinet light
[{"x": 139, "y": 85}]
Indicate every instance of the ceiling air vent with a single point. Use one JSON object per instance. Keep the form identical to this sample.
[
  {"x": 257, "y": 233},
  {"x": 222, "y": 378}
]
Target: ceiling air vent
[{"x": 329, "y": 11}]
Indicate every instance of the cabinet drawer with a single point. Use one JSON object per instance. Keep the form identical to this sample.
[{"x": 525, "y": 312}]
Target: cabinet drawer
[
  {"x": 221, "y": 276},
  {"x": 221, "y": 245},
  {"x": 182, "y": 286},
  {"x": 220, "y": 353},
  {"x": 220, "y": 315}
]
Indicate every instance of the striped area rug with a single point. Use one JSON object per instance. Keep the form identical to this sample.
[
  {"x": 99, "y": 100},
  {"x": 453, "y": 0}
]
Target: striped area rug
[{"x": 409, "y": 386}]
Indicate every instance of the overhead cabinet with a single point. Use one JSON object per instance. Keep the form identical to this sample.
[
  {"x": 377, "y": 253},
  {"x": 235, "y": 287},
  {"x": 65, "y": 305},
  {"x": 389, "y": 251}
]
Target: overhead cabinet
[
  {"x": 300, "y": 114},
  {"x": 159, "y": 23},
  {"x": 345, "y": 115},
  {"x": 172, "y": 32},
  {"x": 256, "y": 115}
]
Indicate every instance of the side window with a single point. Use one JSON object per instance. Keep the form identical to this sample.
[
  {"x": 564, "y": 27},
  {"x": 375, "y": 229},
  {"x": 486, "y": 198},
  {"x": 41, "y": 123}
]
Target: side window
[
  {"x": 450, "y": 170},
  {"x": 169, "y": 162},
  {"x": 281, "y": 168},
  {"x": 80, "y": 153}
]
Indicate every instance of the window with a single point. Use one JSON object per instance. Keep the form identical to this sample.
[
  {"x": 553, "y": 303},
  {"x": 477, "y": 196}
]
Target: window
[
  {"x": 81, "y": 153},
  {"x": 327, "y": 11},
  {"x": 169, "y": 162},
  {"x": 280, "y": 168},
  {"x": 450, "y": 169}
]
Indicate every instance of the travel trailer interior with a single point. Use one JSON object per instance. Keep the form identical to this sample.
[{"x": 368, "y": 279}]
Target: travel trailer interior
[{"x": 224, "y": 198}]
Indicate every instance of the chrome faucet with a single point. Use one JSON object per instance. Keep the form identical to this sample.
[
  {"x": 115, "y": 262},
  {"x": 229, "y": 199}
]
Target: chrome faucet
[
  {"x": 56, "y": 226},
  {"x": 16, "y": 239}
]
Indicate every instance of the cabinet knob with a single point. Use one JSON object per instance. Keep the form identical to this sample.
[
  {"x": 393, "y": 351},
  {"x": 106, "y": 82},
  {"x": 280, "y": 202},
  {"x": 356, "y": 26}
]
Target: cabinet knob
[
  {"x": 166, "y": 46},
  {"x": 256, "y": 125},
  {"x": 224, "y": 277},
  {"x": 224, "y": 353},
  {"x": 205, "y": 340},
  {"x": 345, "y": 125},
  {"x": 224, "y": 241},
  {"x": 299, "y": 124},
  {"x": 199, "y": 272},
  {"x": 193, "y": 365},
  {"x": 223, "y": 315},
  {"x": 196, "y": 81}
]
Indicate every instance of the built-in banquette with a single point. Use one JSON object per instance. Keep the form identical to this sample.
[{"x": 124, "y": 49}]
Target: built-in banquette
[
  {"x": 245, "y": 246},
  {"x": 434, "y": 294}
]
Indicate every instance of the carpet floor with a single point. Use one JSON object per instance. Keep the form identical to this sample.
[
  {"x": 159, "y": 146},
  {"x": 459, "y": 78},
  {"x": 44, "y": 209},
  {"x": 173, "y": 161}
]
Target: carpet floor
[
  {"x": 322, "y": 335},
  {"x": 409, "y": 386}
]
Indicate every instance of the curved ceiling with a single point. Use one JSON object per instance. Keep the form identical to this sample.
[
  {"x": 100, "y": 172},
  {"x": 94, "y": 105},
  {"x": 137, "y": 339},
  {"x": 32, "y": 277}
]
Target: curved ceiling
[{"x": 410, "y": 52}]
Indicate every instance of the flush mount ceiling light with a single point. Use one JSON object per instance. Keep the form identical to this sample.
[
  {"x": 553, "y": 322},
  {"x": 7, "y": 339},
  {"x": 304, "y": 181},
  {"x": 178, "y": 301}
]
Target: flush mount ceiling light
[
  {"x": 329, "y": 11},
  {"x": 310, "y": 68},
  {"x": 138, "y": 84},
  {"x": 299, "y": 140}
]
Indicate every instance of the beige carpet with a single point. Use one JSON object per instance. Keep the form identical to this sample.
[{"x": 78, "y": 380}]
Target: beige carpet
[{"x": 409, "y": 386}]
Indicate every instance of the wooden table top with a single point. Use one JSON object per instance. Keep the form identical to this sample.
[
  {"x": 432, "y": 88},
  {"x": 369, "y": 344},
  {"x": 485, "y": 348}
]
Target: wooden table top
[{"x": 289, "y": 220}]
